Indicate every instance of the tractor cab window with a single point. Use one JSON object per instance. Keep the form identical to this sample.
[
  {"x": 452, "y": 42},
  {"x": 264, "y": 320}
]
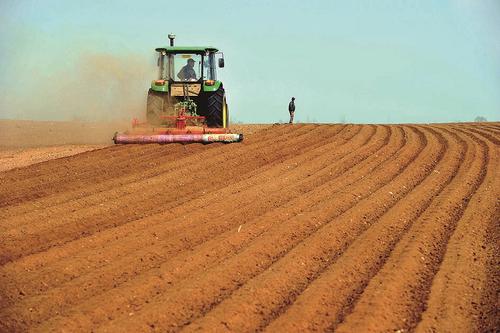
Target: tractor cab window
[
  {"x": 186, "y": 67},
  {"x": 209, "y": 67},
  {"x": 161, "y": 66}
]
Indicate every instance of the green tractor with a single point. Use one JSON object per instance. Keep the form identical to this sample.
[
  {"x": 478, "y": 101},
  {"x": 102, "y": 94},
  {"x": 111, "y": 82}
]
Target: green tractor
[
  {"x": 188, "y": 80},
  {"x": 186, "y": 103}
]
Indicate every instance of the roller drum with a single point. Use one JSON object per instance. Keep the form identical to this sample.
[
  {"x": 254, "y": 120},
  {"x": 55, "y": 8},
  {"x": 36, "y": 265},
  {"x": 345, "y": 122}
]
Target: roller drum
[{"x": 179, "y": 138}]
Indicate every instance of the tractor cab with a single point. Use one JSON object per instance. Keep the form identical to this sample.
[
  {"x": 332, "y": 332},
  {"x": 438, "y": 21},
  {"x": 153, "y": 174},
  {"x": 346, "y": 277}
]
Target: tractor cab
[{"x": 181, "y": 64}]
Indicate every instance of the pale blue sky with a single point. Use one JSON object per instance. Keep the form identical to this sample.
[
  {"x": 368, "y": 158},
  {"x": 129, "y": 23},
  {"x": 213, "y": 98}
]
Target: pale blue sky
[{"x": 380, "y": 61}]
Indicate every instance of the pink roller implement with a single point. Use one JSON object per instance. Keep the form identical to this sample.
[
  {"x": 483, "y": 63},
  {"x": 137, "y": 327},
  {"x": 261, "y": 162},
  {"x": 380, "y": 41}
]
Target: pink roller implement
[{"x": 172, "y": 138}]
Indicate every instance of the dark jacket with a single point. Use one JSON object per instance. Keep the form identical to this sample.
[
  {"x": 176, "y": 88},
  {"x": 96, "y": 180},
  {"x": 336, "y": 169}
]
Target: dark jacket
[
  {"x": 291, "y": 106},
  {"x": 186, "y": 73}
]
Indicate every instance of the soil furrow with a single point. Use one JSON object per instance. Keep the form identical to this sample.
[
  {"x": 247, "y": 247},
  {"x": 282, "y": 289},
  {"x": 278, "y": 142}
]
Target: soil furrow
[
  {"x": 395, "y": 298},
  {"x": 215, "y": 243},
  {"x": 82, "y": 249},
  {"x": 325, "y": 301},
  {"x": 138, "y": 173},
  {"x": 493, "y": 129},
  {"x": 267, "y": 295},
  {"x": 179, "y": 202},
  {"x": 229, "y": 275},
  {"x": 131, "y": 169},
  {"x": 298, "y": 228},
  {"x": 117, "y": 159},
  {"x": 97, "y": 193},
  {"x": 140, "y": 255},
  {"x": 494, "y": 138},
  {"x": 21, "y": 175},
  {"x": 470, "y": 265},
  {"x": 76, "y": 171},
  {"x": 69, "y": 225}
]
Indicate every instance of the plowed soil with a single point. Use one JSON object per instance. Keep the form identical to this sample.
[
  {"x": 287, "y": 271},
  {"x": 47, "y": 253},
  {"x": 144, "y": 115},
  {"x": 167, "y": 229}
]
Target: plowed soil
[{"x": 346, "y": 228}]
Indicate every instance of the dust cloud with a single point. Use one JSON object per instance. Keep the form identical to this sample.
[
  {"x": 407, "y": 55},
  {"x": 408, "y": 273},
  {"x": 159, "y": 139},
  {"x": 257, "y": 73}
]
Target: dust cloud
[
  {"x": 83, "y": 100},
  {"x": 108, "y": 88},
  {"x": 100, "y": 87}
]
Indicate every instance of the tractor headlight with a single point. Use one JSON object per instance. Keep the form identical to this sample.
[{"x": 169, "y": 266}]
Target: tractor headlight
[{"x": 209, "y": 82}]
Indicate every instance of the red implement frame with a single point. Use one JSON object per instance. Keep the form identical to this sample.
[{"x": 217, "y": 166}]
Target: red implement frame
[{"x": 180, "y": 126}]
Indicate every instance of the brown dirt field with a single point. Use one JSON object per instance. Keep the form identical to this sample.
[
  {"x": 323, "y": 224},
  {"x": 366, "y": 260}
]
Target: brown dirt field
[
  {"x": 346, "y": 228},
  {"x": 11, "y": 158}
]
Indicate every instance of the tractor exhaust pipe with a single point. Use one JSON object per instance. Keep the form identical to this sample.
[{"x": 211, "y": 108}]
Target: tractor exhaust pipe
[{"x": 171, "y": 37}]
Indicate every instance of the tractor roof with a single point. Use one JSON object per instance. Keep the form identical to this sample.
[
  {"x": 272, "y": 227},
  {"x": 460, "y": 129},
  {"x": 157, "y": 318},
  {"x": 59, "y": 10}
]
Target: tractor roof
[{"x": 187, "y": 49}]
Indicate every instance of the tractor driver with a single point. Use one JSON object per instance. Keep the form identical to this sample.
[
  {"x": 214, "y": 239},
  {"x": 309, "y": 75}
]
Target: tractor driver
[{"x": 187, "y": 72}]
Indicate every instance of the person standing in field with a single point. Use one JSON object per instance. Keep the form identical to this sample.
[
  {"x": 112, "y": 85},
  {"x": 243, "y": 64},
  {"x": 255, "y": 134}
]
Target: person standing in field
[{"x": 291, "y": 109}]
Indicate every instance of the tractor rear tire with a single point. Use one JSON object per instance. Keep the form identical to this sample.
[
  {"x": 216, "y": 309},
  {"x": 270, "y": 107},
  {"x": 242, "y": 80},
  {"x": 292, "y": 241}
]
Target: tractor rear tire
[
  {"x": 155, "y": 106},
  {"x": 215, "y": 109}
]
